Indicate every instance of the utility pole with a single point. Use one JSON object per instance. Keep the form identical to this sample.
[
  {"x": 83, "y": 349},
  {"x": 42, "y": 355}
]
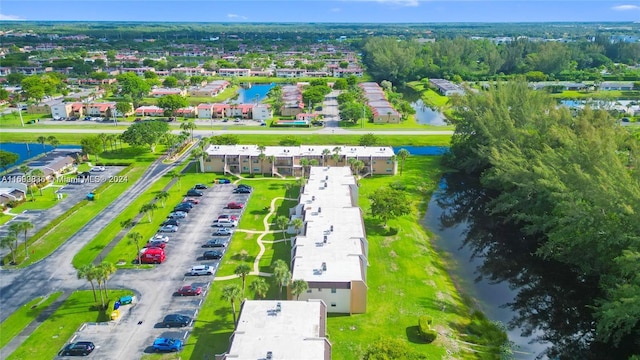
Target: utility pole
[{"x": 20, "y": 112}]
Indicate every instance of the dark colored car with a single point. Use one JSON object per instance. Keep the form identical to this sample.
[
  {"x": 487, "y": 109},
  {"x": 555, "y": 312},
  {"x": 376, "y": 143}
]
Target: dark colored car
[
  {"x": 188, "y": 204},
  {"x": 222, "y": 181},
  {"x": 171, "y": 222},
  {"x": 244, "y": 186},
  {"x": 183, "y": 207},
  {"x": 80, "y": 348},
  {"x": 176, "y": 320},
  {"x": 189, "y": 290},
  {"x": 166, "y": 344},
  {"x": 212, "y": 254},
  {"x": 234, "y": 205},
  {"x": 194, "y": 192},
  {"x": 200, "y": 187},
  {"x": 242, "y": 191},
  {"x": 215, "y": 243}
]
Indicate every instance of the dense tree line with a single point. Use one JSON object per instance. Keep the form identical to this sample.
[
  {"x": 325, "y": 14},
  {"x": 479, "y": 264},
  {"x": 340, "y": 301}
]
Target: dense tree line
[
  {"x": 570, "y": 185},
  {"x": 479, "y": 59}
]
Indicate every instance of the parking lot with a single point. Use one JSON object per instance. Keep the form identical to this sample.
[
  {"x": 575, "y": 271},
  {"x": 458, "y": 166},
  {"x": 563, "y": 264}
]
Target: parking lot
[{"x": 140, "y": 324}]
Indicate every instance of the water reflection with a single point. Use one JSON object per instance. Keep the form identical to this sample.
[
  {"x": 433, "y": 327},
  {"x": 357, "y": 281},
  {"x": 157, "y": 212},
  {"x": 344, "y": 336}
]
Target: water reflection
[
  {"x": 546, "y": 304},
  {"x": 426, "y": 115}
]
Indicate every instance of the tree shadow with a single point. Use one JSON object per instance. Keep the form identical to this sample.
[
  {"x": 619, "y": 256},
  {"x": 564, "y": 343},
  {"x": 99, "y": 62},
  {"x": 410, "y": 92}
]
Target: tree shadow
[{"x": 413, "y": 335}]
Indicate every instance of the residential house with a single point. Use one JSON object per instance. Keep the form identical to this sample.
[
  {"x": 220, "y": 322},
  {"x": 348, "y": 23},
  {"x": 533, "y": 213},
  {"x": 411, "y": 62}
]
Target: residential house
[
  {"x": 615, "y": 85},
  {"x": 381, "y": 109},
  {"x": 234, "y": 72},
  {"x": 150, "y": 110},
  {"x": 446, "y": 87},
  {"x": 159, "y": 92}
]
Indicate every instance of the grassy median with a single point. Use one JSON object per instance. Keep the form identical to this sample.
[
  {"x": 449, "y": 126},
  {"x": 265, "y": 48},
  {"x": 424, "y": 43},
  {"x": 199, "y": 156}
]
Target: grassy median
[{"x": 20, "y": 319}]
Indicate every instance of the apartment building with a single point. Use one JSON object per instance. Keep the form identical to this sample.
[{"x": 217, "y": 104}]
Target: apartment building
[
  {"x": 446, "y": 87},
  {"x": 212, "y": 89},
  {"x": 382, "y": 110},
  {"x": 331, "y": 252},
  {"x": 271, "y": 329},
  {"x": 234, "y": 72},
  {"x": 292, "y": 104},
  {"x": 285, "y": 160}
]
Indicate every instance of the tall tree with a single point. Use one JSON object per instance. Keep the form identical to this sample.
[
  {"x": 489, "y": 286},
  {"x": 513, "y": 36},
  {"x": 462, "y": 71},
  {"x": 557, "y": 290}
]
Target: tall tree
[
  {"x": 162, "y": 196},
  {"x": 133, "y": 86},
  {"x": 148, "y": 209},
  {"x": 8, "y": 158},
  {"x": 145, "y": 133},
  {"x": 403, "y": 154},
  {"x": 281, "y": 275},
  {"x": 388, "y": 203},
  {"x": 135, "y": 237},
  {"x": 171, "y": 103},
  {"x": 297, "y": 224},
  {"x": 325, "y": 153},
  {"x": 42, "y": 140},
  {"x": 53, "y": 141},
  {"x": 23, "y": 227},
  {"x": 242, "y": 271},
  {"x": 38, "y": 175},
  {"x": 281, "y": 222},
  {"x": 91, "y": 146},
  {"x": 260, "y": 287},
  {"x": 299, "y": 287},
  {"x": 107, "y": 269},
  {"x": 8, "y": 241},
  {"x": 88, "y": 273},
  {"x": 231, "y": 293}
]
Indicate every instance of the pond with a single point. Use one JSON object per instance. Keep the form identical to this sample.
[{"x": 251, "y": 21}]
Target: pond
[
  {"x": 253, "y": 93},
  {"x": 426, "y": 115},
  {"x": 423, "y": 150},
  {"x": 28, "y": 151}
]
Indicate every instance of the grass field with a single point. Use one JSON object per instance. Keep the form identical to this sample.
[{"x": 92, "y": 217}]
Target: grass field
[
  {"x": 408, "y": 124},
  {"x": 51, "y": 336},
  {"x": 20, "y": 319},
  {"x": 429, "y": 96}
]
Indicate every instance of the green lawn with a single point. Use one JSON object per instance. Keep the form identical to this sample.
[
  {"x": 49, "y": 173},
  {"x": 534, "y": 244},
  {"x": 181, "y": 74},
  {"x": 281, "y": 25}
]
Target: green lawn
[
  {"x": 39, "y": 201},
  {"x": 51, "y": 336},
  {"x": 20, "y": 319},
  {"x": 408, "y": 124},
  {"x": 429, "y": 96}
]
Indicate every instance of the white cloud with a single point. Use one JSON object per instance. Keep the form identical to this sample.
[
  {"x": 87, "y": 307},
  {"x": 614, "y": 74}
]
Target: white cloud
[
  {"x": 4, "y": 17},
  {"x": 626, "y": 7},
  {"x": 335, "y": 9},
  {"x": 236, "y": 17}
]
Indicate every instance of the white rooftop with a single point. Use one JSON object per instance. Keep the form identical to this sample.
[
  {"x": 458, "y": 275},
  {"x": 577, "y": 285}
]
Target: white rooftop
[
  {"x": 296, "y": 332},
  {"x": 302, "y": 150},
  {"x": 335, "y": 204}
]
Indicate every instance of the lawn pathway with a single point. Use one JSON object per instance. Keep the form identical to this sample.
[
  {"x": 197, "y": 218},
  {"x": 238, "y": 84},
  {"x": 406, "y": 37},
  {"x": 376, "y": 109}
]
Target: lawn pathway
[{"x": 265, "y": 222}]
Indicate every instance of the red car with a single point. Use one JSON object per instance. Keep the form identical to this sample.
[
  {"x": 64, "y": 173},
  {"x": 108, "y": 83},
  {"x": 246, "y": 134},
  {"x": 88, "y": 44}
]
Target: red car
[
  {"x": 189, "y": 290},
  {"x": 156, "y": 244},
  {"x": 235, "y": 205},
  {"x": 191, "y": 200}
]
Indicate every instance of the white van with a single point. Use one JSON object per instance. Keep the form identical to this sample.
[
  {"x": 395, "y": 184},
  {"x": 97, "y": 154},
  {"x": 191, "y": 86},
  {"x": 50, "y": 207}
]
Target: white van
[
  {"x": 197, "y": 270},
  {"x": 225, "y": 223}
]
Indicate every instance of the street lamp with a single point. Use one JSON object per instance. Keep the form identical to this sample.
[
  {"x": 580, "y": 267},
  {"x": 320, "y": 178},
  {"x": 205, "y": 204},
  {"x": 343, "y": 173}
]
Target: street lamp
[{"x": 363, "y": 115}]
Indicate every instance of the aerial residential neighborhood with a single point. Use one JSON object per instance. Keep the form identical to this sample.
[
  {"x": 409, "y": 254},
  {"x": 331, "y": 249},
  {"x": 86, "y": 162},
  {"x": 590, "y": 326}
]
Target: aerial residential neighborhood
[{"x": 300, "y": 190}]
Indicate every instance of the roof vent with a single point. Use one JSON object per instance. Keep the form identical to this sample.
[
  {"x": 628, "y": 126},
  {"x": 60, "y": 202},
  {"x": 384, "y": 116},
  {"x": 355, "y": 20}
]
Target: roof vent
[
  {"x": 325, "y": 184},
  {"x": 325, "y": 239},
  {"x": 269, "y": 355},
  {"x": 324, "y": 266},
  {"x": 326, "y": 177},
  {"x": 313, "y": 198},
  {"x": 319, "y": 210},
  {"x": 331, "y": 228},
  {"x": 278, "y": 307}
]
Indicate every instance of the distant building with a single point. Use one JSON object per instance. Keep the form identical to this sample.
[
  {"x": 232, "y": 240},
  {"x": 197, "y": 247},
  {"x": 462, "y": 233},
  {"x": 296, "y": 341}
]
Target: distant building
[
  {"x": 446, "y": 87},
  {"x": 167, "y": 91},
  {"x": 382, "y": 110},
  {"x": 612, "y": 85},
  {"x": 271, "y": 330}
]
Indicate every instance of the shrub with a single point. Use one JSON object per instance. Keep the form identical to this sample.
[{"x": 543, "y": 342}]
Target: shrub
[{"x": 424, "y": 327}]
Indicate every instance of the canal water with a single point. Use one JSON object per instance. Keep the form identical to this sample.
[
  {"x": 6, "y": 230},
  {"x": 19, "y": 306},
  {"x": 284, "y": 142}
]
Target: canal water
[
  {"x": 28, "y": 151},
  {"x": 253, "y": 93}
]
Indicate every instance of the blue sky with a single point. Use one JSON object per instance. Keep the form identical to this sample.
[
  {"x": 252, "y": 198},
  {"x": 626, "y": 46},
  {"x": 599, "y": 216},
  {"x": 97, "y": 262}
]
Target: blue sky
[{"x": 358, "y": 11}]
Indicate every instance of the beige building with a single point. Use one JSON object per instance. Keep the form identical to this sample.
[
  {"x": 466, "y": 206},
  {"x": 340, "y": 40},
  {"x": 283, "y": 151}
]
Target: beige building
[
  {"x": 274, "y": 330},
  {"x": 331, "y": 252},
  {"x": 287, "y": 160}
]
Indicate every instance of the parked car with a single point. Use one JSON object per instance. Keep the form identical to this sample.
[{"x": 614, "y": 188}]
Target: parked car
[
  {"x": 98, "y": 168},
  {"x": 171, "y": 222},
  {"x": 225, "y": 223},
  {"x": 168, "y": 228},
  {"x": 215, "y": 243},
  {"x": 200, "y": 187},
  {"x": 244, "y": 186},
  {"x": 222, "y": 232},
  {"x": 227, "y": 216},
  {"x": 198, "y": 270},
  {"x": 242, "y": 190},
  {"x": 167, "y": 344},
  {"x": 79, "y": 348},
  {"x": 194, "y": 192},
  {"x": 222, "y": 181},
  {"x": 159, "y": 237},
  {"x": 212, "y": 254},
  {"x": 192, "y": 201},
  {"x": 177, "y": 215},
  {"x": 234, "y": 205},
  {"x": 184, "y": 207},
  {"x": 152, "y": 256},
  {"x": 176, "y": 320},
  {"x": 189, "y": 290},
  {"x": 156, "y": 244}
]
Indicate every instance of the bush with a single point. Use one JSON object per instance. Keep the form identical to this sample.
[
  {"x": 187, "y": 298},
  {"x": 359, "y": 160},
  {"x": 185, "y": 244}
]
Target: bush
[{"x": 424, "y": 327}]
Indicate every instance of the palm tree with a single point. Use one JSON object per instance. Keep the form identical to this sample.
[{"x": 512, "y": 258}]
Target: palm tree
[
  {"x": 188, "y": 126},
  {"x": 260, "y": 287},
  {"x": 242, "y": 270},
  {"x": 8, "y": 241},
  {"x": 39, "y": 174},
  {"x": 198, "y": 153},
  {"x": 112, "y": 140},
  {"x": 314, "y": 162},
  {"x": 87, "y": 272},
  {"x": 24, "y": 227},
  {"x": 104, "y": 137},
  {"x": 262, "y": 157},
  {"x": 53, "y": 141},
  {"x": 281, "y": 275},
  {"x": 176, "y": 175},
  {"x": 148, "y": 209},
  {"x": 357, "y": 166},
  {"x": 297, "y": 224},
  {"x": 162, "y": 196},
  {"x": 304, "y": 162},
  {"x": 42, "y": 140},
  {"x": 231, "y": 293},
  {"x": 99, "y": 276},
  {"x": 336, "y": 154},
  {"x": 298, "y": 287},
  {"x": 14, "y": 231},
  {"x": 272, "y": 161},
  {"x": 135, "y": 237},
  {"x": 108, "y": 269},
  {"x": 403, "y": 154},
  {"x": 325, "y": 153},
  {"x": 351, "y": 161},
  {"x": 281, "y": 223},
  {"x": 126, "y": 223}
]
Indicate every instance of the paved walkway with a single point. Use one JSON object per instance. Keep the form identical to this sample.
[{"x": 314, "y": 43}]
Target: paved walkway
[
  {"x": 26, "y": 332},
  {"x": 265, "y": 232}
]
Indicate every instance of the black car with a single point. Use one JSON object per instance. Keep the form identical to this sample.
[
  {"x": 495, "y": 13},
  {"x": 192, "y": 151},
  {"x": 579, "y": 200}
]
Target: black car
[
  {"x": 215, "y": 243},
  {"x": 244, "y": 186},
  {"x": 80, "y": 348},
  {"x": 176, "y": 320},
  {"x": 171, "y": 222},
  {"x": 183, "y": 208},
  {"x": 194, "y": 192},
  {"x": 200, "y": 187},
  {"x": 212, "y": 254},
  {"x": 242, "y": 190}
]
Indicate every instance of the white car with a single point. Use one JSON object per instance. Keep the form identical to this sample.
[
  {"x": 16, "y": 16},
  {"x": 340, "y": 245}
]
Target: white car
[
  {"x": 197, "y": 270},
  {"x": 98, "y": 168},
  {"x": 225, "y": 223},
  {"x": 177, "y": 215},
  {"x": 160, "y": 237}
]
